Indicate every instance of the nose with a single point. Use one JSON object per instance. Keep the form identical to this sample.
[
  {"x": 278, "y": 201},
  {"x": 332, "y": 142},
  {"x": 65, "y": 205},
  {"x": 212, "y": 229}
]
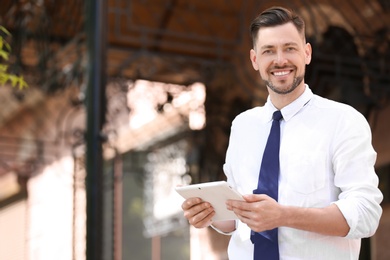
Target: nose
[{"x": 280, "y": 58}]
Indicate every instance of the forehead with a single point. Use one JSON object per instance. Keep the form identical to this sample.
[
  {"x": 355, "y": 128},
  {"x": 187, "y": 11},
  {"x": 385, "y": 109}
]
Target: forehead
[{"x": 280, "y": 34}]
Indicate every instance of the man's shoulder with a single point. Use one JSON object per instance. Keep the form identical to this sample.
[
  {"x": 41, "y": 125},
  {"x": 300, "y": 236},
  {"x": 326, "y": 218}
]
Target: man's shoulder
[
  {"x": 326, "y": 103},
  {"x": 248, "y": 117},
  {"x": 336, "y": 110},
  {"x": 250, "y": 113}
]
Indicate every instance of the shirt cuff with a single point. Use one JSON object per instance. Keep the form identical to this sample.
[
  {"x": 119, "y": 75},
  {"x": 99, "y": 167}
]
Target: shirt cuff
[
  {"x": 350, "y": 214},
  {"x": 223, "y": 233}
]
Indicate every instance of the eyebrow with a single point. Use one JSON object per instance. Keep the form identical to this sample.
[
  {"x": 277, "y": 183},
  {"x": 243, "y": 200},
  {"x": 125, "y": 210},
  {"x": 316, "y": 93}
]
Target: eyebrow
[{"x": 269, "y": 46}]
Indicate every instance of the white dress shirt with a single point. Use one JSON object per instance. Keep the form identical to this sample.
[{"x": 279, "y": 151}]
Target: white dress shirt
[{"x": 326, "y": 157}]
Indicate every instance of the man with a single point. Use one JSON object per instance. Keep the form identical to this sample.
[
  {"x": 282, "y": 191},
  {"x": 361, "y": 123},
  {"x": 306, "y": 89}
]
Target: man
[{"x": 328, "y": 196}]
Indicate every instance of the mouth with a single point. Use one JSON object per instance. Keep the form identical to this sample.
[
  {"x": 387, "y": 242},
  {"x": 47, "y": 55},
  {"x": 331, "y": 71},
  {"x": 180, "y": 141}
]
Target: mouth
[{"x": 281, "y": 72}]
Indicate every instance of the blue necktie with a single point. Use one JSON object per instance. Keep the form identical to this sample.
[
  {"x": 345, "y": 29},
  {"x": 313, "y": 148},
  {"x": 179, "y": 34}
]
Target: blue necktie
[{"x": 266, "y": 242}]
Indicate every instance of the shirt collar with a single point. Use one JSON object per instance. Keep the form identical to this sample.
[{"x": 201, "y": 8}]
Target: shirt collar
[{"x": 291, "y": 109}]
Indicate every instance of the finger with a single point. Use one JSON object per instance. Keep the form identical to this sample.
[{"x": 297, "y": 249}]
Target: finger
[
  {"x": 189, "y": 203},
  {"x": 242, "y": 210},
  {"x": 198, "y": 211},
  {"x": 243, "y": 214},
  {"x": 248, "y": 198},
  {"x": 237, "y": 204},
  {"x": 254, "y": 197},
  {"x": 202, "y": 218},
  {"x": 197, "y": 208}
]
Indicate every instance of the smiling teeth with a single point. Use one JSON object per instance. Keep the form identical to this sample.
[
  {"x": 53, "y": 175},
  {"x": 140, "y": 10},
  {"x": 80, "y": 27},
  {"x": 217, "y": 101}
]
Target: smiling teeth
[{"x": 281, "y": 73}]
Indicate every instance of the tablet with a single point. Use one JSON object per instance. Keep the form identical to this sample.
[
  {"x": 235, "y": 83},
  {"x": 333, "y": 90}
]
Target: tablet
[{"x": 216, "y": 193}]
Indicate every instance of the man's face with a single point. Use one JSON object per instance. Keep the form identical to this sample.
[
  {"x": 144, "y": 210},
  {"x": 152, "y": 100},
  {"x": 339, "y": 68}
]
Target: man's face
[{"x": 280, "y": 55}]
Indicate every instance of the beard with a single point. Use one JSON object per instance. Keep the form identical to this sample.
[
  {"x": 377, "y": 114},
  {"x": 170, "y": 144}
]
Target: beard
[
  {"x": 291, "y": 88},
  {"x": 283, "y": 91}
]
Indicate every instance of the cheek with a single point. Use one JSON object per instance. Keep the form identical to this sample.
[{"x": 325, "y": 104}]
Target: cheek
[
  {"x": 264, "y": 74},
  {"x": 263, "y": 69}
]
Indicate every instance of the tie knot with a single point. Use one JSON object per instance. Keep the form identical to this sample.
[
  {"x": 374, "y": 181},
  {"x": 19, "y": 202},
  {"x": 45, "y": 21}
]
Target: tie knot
[{"x": 277, "y": 115}]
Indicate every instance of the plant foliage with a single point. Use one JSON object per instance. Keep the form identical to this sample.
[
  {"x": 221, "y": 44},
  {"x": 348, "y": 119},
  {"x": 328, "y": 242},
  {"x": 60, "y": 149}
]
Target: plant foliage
[{"x": 5, "y": 51}]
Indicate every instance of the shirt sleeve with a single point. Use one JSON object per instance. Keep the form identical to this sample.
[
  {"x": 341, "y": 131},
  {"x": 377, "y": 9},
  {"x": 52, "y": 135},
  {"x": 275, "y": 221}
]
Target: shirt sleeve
[
  {"x": 229, "y": 157},
  {"x": 353, "y": 164},
  {"x": 222, "y": 232}
]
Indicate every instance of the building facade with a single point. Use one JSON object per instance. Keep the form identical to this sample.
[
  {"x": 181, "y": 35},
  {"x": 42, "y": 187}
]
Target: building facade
[{"x": 160, "y": 130}]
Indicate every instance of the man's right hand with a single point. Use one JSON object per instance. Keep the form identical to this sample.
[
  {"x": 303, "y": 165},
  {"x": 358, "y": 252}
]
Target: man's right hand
[{"x": 199, "y": 213}]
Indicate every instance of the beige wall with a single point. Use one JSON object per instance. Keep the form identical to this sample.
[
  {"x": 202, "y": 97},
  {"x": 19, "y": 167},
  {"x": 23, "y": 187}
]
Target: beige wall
[{"x": 13, "y": 231}]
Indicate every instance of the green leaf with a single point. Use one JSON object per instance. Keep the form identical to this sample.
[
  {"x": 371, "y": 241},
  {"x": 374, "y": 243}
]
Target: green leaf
[
  {"x": 22, "y": 84},
  {"x": 13, "y": 79},
  {"x": 4, "y": 54},
  {"x": 2, "y": 28},
  {"x": 3, "y": 68},
  {"x": 3, "y": 78},
  {"x": 4, "y": 44},
  {"x": 7, "y": 46}
]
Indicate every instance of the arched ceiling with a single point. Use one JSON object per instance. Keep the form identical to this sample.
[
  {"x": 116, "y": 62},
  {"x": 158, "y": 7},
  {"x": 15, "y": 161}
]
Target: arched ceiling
[
  {"x": 183, "y": 41},
  {"x": 215, "y": 30}
]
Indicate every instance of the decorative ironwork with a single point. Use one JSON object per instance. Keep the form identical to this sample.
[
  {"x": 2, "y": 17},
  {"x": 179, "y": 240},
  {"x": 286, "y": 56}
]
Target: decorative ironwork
[
  {"x": 24, "y": 156},
  {"x": 207, "y": 28}
]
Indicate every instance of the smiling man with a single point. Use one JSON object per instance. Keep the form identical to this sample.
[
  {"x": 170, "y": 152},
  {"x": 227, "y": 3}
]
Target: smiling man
[{"x": 324, "y": 195}]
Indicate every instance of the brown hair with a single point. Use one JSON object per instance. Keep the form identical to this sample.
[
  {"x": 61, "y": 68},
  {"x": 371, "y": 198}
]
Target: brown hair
[{"x": 276, "y": 16}]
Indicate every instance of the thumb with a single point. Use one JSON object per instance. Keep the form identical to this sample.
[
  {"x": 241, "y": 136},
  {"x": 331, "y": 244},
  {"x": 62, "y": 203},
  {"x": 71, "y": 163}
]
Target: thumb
[
  {"x": 255, "y": 197},
  {"x": 251, "y": 197}
]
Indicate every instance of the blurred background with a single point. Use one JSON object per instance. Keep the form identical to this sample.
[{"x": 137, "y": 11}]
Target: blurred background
[{"x": 128, "y": 98}]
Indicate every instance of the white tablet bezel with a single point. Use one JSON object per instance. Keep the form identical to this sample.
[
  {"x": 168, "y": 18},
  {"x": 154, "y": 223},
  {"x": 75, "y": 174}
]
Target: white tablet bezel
[{"x": 216, "y": 193}]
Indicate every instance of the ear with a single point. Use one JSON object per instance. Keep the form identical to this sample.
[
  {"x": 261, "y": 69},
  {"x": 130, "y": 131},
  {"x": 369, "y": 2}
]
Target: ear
[
  {"x": 308, "y": 52},
  {"x": 253, "y": 58}
]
